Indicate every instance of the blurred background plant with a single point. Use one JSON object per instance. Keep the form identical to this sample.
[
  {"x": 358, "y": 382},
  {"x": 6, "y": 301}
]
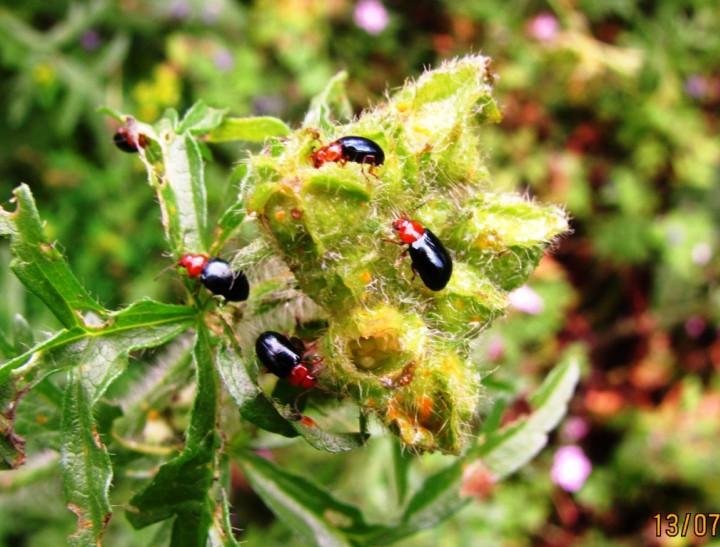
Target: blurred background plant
[{"x": 610, "y": 108}]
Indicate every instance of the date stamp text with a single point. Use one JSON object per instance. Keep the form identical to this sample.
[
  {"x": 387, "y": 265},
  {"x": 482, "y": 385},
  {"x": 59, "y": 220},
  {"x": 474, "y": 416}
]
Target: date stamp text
[{"x": 687, "y": 524}]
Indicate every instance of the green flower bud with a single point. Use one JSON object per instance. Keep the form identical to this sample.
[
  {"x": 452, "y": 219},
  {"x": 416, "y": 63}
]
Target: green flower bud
[{"x": 397, "y": 348}]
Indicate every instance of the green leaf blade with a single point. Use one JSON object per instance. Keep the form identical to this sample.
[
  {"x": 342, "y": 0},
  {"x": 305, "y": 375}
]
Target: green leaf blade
[
  {"x": 252, "y": 129},
  {"x": 321, "y": 439},
  {"x": 330, "y": 105},
  {"x": 183, "y": 194},
  {"x": 303, "y": 506},
  {"x": 142, "y": 325},
  {"x": 12, "y": 447},
  {"x": 7, "y": 226},
  {"x": 229, "y": 222},
  {"x": 31, "y": 359},
  {"x": 271, "y": 416},
  {"x": 102, "y": 350},
  {"x": 437, "y": 499},
  {"x": 181, "y": 486},
  {"x": 222, "y": 532},
  {"x": 87, "y": 470},
  {"x": 41, "y": 267},
  {"x": 201, "y": 118},
  {"x": 505, "y": 451},
  {"x": 254, "y": 406}
]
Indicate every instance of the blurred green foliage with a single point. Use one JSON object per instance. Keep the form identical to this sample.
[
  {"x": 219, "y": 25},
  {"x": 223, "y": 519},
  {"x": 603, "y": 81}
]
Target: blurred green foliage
[{"x": 609, "y": 107}]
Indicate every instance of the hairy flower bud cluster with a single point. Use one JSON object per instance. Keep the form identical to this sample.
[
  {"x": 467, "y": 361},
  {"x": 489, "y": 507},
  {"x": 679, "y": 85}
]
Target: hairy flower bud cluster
[{"x": 399, "y": 349}]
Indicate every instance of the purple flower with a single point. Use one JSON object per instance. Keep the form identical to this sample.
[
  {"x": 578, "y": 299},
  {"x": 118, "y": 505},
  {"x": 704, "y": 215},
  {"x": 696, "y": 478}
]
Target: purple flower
[
  {"x": 696, "y": 86},
  {"x": 223, "y": 59},
  {"x": 211, "y": 13},
  {"x": 575, "y": 428},
  {"x": 570, "y": 468},
  {"x": 543, "y": 27},
  {"x": 180, "y": 9},
  {"x": 90, "y": 40},
  {"x": 695, "y": 326},
  {"x": 526, "y": 300},
  {"x": 371, "y": 16}
]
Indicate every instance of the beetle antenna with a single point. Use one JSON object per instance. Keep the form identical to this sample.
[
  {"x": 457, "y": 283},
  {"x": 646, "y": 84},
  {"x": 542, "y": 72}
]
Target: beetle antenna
[
  {"x": 418, "y": 207},
  {"x": 174, "y": 265},
  {"x": 297, "y": 415}
]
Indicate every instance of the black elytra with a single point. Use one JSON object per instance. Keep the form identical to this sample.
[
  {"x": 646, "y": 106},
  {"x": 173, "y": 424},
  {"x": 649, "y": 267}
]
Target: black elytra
[
  {"x": 431, "y": 261},
  {"x": 277, "y": 353},
  {"x": 125, "y": 141},
  {"x": 219, "y": 278},
  {"x": 351, "y": 148},
  {"x": 120, "y": 139},
  {"x": 361, "y": 150}
]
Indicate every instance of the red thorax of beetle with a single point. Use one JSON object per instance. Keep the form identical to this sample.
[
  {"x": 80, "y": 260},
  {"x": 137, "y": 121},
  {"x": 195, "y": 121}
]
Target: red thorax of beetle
[
  {"x": 133, "y": 138},
  {"x": 194, "y": 264},
  {"x": 301, "y": 376},
  {"x": 409, "y": 231},
  {"x": 329, "y": 153}
]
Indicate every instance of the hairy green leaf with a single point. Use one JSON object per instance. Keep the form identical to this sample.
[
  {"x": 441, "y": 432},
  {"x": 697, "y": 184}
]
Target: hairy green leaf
[
  {"x": 40, "y": 265},
  {"x": 271, "y": 416},
  {"x": 303, "y": 506},
  {"x": 98, "y": 354},
  {"x": 254, "y": 405},
  {"x": 102, "y": 351},
  {"x": 181, "y": 486},
  {"x": 7, "y": 227},
  {"x": 506, "y": 450},
  {"x": 228, "y": 223},
  {"x": 201, "y": 118},
  {"x": 330, "y": 105},
  {"x": 23, "y": 337},
  {"x": 12, "y": 447},
  {"x": 222, "y": 533},
  {"x": 255, "y": 129},
  {"x": 401, "y": 470},
  {"x": 437, "y": 499},
  {"x": 86, "y": 464},
  {"x": 182, "y": 194},
  {"x": 503, "y": 453},
  {"x": 321, "y": 439}
]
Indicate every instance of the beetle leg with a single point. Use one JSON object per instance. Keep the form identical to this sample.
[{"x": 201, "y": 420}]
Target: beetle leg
[
  {"x": 400, "y": 243},
  {"x": 310, "y": 348},
  {"x": 370, "y": 159},
  {"x": 372, "y": 171},
  {"x": 297, "y": 415}
]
